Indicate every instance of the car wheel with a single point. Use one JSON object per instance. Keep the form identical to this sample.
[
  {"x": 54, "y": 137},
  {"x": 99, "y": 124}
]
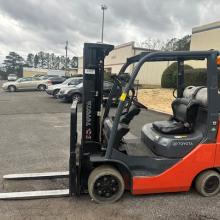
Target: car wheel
[
  {"x": 77, "y": 97},
  {"x": 41, "y": 87},
  {"x": 105, "y": 184},
  {"x": 55, "y": 93},
  {"x": 208, "y": 183},
  {"x": 11, "y": 88}
]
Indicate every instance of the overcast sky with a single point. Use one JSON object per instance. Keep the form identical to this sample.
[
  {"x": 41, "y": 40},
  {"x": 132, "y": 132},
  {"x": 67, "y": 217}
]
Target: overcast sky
[{"x": 35, "y": 25}]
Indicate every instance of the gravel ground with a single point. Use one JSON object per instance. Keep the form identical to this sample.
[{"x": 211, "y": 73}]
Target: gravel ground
[
  {"x": 157, "y": 98},
  {"x": 35, "y": 137}
]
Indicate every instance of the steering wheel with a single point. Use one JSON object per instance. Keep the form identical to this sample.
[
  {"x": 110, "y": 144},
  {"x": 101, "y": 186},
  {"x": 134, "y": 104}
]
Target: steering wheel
[{"x": 131, "y": 99}]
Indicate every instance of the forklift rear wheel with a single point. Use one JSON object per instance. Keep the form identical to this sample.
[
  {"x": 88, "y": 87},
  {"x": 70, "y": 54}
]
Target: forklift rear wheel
[
  {"x": 105, "y": 184},
  {"x": 208, "y": 183}
]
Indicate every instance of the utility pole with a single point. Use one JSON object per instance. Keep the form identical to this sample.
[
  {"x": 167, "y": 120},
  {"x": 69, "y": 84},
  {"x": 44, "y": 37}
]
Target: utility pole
[
  {"x": 103, "y": 7},
  {"x": 66, "y": 48}
]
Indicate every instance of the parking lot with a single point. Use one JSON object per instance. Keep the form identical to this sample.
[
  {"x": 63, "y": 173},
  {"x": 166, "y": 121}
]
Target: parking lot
[{"x": 35, "y": 138}]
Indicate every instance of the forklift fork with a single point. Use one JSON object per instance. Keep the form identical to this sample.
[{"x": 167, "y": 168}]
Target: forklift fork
[
  {"x": 71, "y": 174},
  {"x": 32, "y": 176}
]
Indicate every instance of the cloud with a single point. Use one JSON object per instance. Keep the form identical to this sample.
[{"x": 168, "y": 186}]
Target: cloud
[{"x": 30, "y": 25}]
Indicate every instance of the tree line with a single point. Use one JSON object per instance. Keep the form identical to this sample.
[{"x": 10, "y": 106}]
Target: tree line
[{"x": 14, "y": 63}]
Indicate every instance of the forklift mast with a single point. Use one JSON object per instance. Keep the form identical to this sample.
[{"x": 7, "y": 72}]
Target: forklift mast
[{"x": 93, "y": 76}]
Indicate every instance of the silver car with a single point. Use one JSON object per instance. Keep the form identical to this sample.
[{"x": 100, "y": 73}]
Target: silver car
[
  {"x": 54, "y": 89},
  {"x": 28, "y": 83},
  {"x": 75, "y": 92}
]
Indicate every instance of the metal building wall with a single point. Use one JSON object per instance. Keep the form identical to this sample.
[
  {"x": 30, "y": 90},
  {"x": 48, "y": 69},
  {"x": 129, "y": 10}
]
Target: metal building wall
[{"x": 205, "y": 37}]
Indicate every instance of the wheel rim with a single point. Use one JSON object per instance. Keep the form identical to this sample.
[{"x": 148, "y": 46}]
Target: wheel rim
[
  {"x": 42, "y": 88},
  {"x": 76, "y": 97},
  {"x": 12, "y": 89},
  {"x": 106, "y": 186},
  {"x": 212, "y": 184}
]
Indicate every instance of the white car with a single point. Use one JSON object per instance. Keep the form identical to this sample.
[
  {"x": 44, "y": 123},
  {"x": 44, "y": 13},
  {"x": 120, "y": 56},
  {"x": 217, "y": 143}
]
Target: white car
[
  {"x": 12, "y": 77},
  {"x": 75, "y": 92},
  {"x": 28, "y": 83},
  {"x": 54, "y": 89}
]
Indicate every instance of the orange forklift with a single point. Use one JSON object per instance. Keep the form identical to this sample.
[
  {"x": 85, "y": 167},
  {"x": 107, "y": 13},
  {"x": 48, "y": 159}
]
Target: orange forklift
[{"x": 175, "y": 154}]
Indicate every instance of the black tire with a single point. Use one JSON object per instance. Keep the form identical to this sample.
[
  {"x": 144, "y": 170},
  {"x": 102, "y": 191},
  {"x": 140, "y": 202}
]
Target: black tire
[
  {"x": 105, "y": 184},
  {"x": 77, "y": 96},
  {"x": 41, "y": 87},
  {"x": 208, "y": 183},
  {"x": 11, "y": 88},
  {"x": 55, "y": 93}
]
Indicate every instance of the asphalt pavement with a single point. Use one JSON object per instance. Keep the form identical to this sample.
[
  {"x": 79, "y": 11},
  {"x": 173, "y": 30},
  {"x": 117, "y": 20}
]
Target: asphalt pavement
[{"x": 34, "y": 137}]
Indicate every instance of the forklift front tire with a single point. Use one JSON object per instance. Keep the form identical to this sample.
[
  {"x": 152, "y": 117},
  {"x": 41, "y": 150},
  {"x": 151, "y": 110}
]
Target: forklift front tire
[
  {"x": 105, "y": 184},
  {"x": 208, "y": 183}
]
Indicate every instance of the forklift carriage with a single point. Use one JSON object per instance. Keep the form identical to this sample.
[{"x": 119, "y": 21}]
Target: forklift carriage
[{"x": 174, "y": 153}]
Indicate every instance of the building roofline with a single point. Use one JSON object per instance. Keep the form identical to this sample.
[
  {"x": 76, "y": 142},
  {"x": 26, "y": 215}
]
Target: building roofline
[
  {"x": 206, "y": 27},
  {"x": 144, "y": 49},
  {"x": 131, "y": 43}
]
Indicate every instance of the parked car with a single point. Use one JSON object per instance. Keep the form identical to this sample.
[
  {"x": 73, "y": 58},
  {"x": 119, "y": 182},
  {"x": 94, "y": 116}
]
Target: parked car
[
  {"x": 44, "y": 77},
  {"x": 54, "y": 89},
  {"x": 69, "y": 93},
  {"x": 39, "y": 75},
  {"x": 55, "y": 80},
  {"x": 12, "y": 77},
  {"x": 27, "y": 83}
]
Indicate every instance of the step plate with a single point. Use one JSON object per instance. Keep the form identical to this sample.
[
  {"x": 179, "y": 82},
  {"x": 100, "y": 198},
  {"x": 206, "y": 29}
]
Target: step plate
[
  {"x": 34, "y": 194},
  {"x": 26, "y": 176}
]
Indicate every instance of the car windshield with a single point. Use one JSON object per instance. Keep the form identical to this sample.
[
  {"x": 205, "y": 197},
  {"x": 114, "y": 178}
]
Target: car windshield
[
  {"x": 49, "y": 76},
  {"x": 24, "y": 79},
  {"x": 79, "y": 85},
  {"x": 67, "y": 81},
  {"x": 19, "y": 80},
  {"x": 35, "y": 78},
  {"x": 76, "y": 81},
  {"x": 44, "y": 77}
]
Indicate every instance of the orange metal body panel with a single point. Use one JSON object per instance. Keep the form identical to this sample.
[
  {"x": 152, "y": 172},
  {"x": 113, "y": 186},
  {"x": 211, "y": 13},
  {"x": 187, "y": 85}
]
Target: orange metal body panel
[
  {"x": 217, "y": 155},
  {"x": 180, "y": 176}
]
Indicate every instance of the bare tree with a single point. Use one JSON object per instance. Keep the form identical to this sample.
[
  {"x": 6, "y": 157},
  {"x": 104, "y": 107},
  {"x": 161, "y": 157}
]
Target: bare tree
[
  {"x": 173, "y": 44},
  {"x": 152, "y": 44}
]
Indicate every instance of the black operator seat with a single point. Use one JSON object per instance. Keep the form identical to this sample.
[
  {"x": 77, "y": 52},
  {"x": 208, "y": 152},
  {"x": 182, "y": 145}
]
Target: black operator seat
[
  {"x": 177, "y": 145},
  {"x": 122, "y": 130},
  {"x": 184, "y": 114},
  {"x": 128, "y": 116},
  {"x": 123, "y": 127}
]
